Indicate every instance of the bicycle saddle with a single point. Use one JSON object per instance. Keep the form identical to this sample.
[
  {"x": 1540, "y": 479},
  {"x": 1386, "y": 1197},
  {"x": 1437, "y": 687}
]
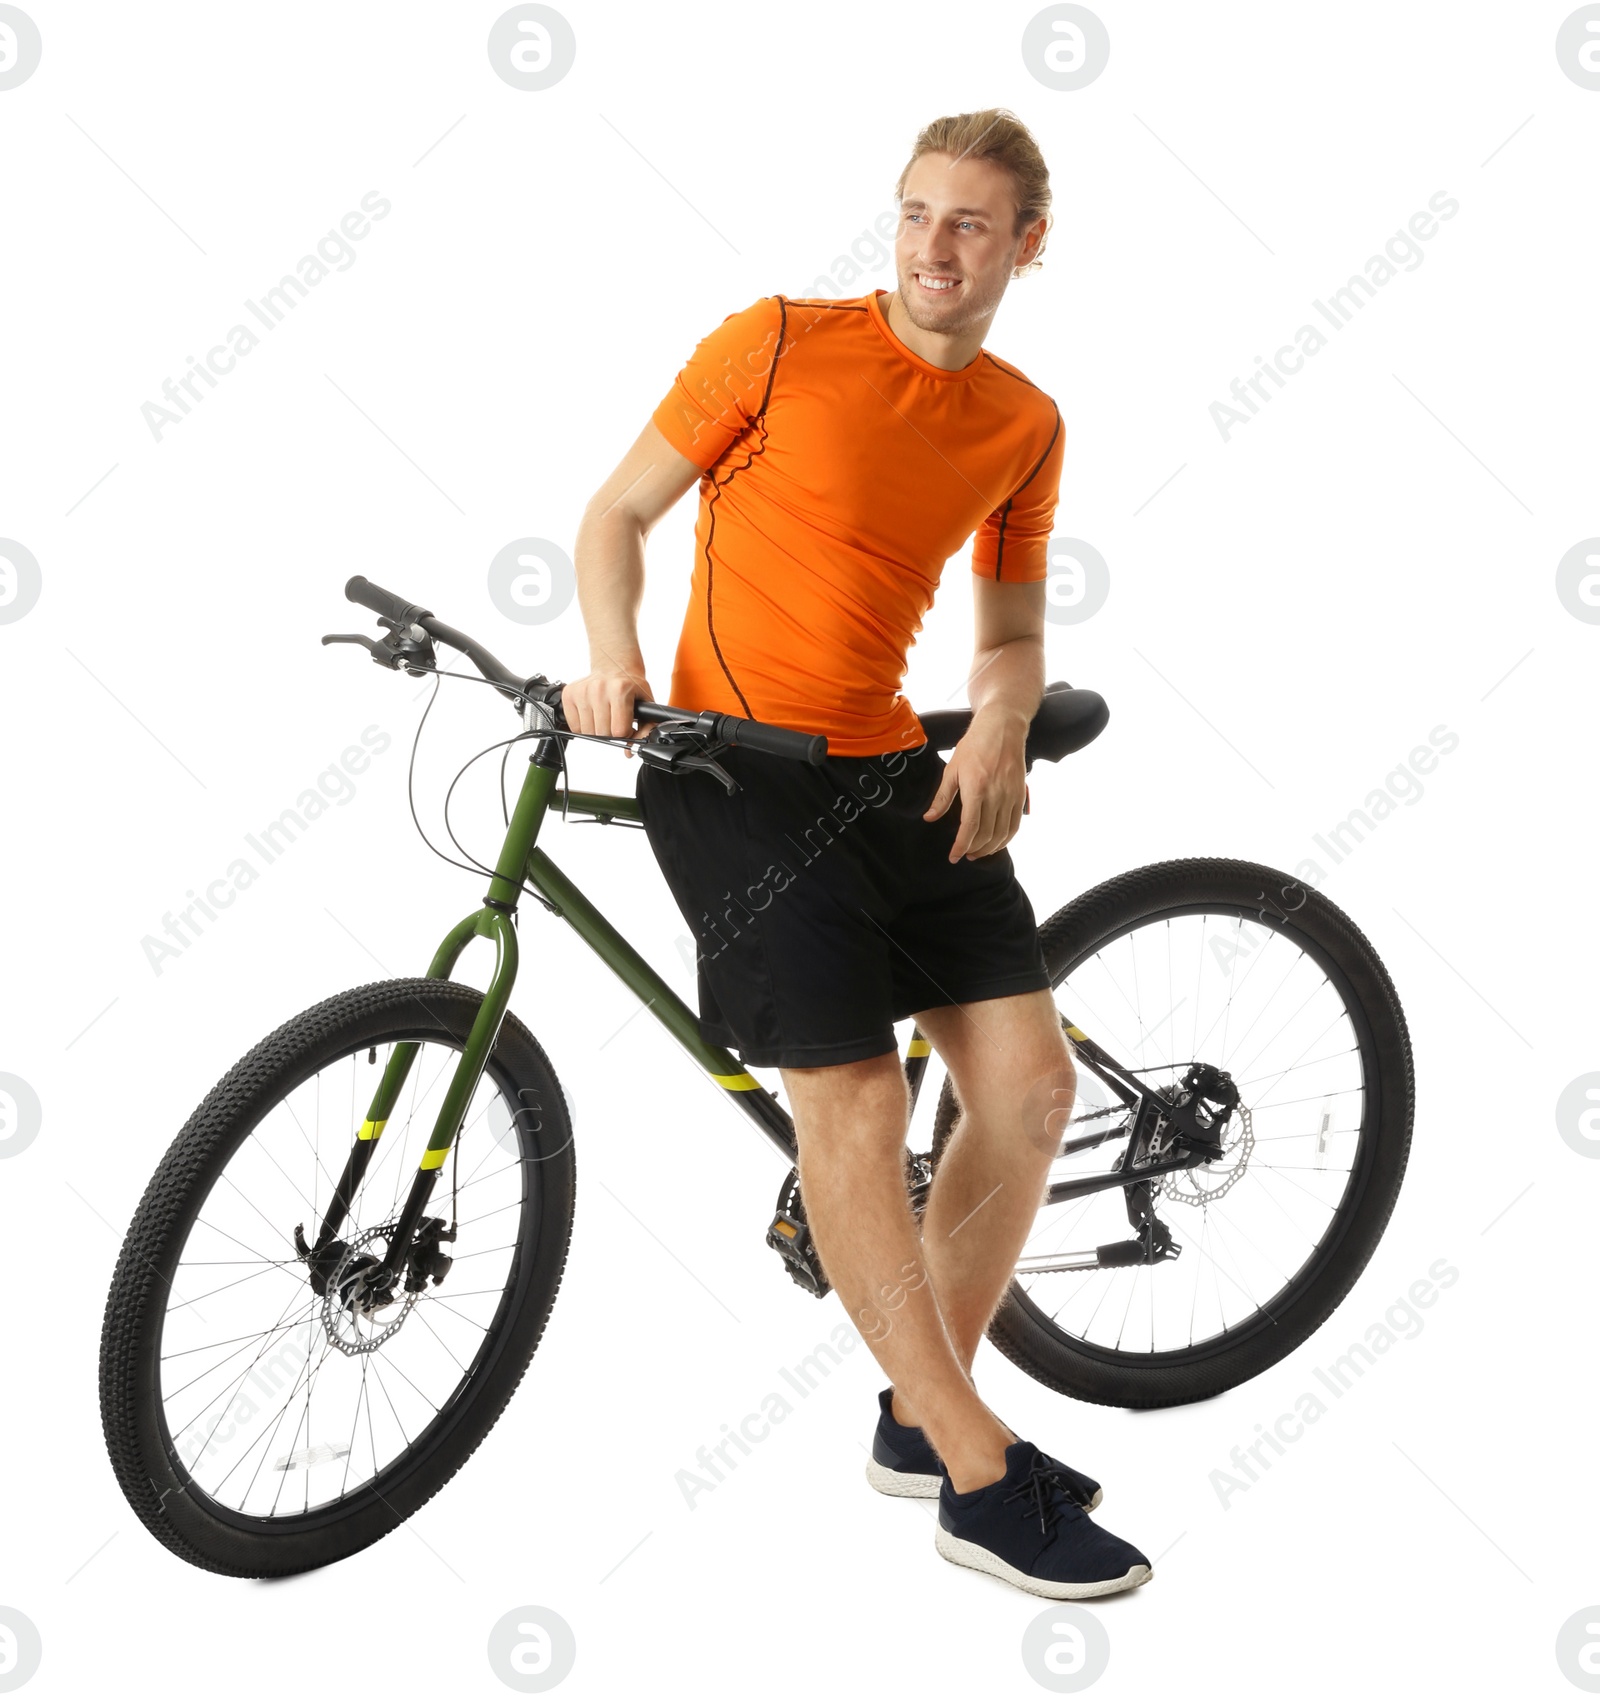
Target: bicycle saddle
[{"x": 1067, "y": 720}]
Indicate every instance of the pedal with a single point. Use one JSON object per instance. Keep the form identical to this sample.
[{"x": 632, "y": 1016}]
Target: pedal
[{"x": 790, "y": 1235}]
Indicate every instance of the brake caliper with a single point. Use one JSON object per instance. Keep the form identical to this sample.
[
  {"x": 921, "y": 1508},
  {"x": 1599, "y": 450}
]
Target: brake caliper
[
  {"x": 426, "y": 1260},
  {"x": 1199, "y": 1114}
]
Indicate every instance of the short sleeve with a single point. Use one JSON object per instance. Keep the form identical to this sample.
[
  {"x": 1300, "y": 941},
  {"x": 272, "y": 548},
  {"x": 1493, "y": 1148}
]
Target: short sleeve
[
  {"x": 1013, "y": 544},
  {"x": 723, "y": 386}
]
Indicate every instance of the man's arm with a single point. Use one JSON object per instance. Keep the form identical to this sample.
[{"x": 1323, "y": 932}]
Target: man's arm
[
  {"x": 987, "y": 767},
  {"x": 609, "y": 560}
]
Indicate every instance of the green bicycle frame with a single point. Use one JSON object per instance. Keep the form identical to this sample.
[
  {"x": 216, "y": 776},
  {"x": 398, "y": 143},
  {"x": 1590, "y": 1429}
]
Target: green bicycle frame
[{"x": 522, "y": 862}]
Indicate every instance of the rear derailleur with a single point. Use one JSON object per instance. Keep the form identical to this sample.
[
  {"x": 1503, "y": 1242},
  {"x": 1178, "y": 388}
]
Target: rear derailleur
[
  {"x": 1154, "y": 1242},
  {"x": 1186, "y": 1119}
]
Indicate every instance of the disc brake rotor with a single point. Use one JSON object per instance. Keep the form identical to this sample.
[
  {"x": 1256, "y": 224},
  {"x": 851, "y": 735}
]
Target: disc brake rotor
[
  {"x": 355, "y": 1324},
  {"x": 1186, "y": 1185}
]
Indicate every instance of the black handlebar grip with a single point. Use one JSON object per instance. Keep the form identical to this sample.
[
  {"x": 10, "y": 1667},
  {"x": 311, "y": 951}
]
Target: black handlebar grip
[
  {"x": 383, "y": 601},
  {"x": 773, "y": 739}
]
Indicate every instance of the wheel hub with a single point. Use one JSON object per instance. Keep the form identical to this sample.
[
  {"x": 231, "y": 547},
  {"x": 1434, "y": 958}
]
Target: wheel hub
[
  {"x": 1207, "y": 1101},
  {"x": 360, "y": 1313}
]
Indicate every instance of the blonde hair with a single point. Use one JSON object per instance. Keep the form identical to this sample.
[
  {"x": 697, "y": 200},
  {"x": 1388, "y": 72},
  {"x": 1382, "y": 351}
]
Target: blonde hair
[{"x": 1001, "y": 136}]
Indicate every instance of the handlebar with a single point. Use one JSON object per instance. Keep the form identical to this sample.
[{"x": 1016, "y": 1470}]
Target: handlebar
[
  {"x": 739, "y": 733},
  {"x": 386, "y": 602},
  {"x": 807, "y": 746},
  {"x": 401, "y": 616}
]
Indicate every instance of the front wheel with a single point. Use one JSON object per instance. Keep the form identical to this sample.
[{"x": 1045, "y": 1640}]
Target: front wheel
[
  {"x": 1245, "y": 970},
  {"x": 263, "y": 1420}
]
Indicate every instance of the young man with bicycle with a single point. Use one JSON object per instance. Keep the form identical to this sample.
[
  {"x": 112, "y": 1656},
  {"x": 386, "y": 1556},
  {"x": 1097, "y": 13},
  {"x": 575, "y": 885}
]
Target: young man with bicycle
[{"x": 844, "y": 451}]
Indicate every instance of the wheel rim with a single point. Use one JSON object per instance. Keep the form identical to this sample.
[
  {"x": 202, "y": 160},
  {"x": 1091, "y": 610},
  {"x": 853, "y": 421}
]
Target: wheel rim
[
  {"x": 265, "y": 1419},
  {"x": 1269, "y": 1004}
]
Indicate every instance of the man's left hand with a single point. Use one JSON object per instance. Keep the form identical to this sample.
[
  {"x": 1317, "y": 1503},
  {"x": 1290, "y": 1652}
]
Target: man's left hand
[{"x": 988, "y": 770}]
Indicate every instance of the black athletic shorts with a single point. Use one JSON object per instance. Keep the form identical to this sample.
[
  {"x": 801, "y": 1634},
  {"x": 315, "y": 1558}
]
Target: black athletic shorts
[{"x": 824, "y": 907}]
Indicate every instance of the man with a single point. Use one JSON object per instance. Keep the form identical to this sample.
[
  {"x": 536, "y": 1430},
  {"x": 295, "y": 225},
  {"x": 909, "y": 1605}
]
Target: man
[{"x": 845, "y": 449}]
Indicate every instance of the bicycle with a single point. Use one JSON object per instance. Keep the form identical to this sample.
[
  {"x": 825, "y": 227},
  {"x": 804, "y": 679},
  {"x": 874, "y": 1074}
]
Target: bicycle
[{"x": 268, "y": 1409}]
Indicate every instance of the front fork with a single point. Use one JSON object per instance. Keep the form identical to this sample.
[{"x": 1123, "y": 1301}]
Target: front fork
[{"x": 494, "y": 921}]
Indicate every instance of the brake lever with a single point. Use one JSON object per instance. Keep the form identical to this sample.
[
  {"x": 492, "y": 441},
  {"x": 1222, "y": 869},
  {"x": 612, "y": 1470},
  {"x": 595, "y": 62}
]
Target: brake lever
[
  {"x": 658, "y": 750},
  {"x": 399, "y": 649},
  {"x": 708, "y": 763},
  {"x": 383, "y": 656}
]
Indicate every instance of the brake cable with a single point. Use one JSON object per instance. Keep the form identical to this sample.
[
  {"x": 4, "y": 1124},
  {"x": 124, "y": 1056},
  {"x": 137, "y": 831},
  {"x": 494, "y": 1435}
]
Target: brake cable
[{"x": 471, "y": 864}]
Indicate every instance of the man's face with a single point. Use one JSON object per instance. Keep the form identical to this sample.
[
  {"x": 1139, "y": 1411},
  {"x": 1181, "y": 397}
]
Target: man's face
[{"x": 955, "y": 251}]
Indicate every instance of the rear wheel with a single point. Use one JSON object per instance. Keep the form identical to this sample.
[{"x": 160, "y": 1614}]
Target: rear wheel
[
  {"x": 1242, "y": 968},
  {"x": 259, "y": 1426}
]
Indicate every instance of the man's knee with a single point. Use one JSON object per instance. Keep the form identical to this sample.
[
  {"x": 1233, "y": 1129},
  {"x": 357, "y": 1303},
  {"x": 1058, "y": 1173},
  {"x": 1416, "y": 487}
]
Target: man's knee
[
  {"x": 1032, "y": 1093},
  {"x": 1046, "y": 1108},
  {"x": 850, "y": 1098}
]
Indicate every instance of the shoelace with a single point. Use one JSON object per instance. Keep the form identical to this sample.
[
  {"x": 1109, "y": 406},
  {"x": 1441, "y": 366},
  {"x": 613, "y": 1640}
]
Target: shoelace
[{"x": 1044, "y": 1489}]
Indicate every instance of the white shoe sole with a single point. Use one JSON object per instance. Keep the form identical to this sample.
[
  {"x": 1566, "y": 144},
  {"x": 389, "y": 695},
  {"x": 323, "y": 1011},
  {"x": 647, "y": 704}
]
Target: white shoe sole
[
  {"x": 896, "y": 1485},
  {"x": 985, "y": 1561}
]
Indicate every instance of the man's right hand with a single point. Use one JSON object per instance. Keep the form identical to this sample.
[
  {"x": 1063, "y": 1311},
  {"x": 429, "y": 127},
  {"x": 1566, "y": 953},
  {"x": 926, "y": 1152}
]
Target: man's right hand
[{"x": 600, "y": 704}]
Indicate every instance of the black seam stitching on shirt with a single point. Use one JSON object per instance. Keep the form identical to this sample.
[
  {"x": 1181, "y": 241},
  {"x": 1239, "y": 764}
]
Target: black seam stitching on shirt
[
  {"x": 1000, "y": 365},
  {"x": 1005, "y": 512},
  {"x": 760, "y": 420}
]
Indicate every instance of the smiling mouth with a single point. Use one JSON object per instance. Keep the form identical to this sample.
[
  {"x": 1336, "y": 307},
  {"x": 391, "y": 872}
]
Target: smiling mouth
[{"x": 934, "y": 284}]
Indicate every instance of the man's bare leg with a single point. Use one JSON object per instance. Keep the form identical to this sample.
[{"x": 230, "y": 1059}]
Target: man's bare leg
[
  {"x": 1014, "y": 1078},
  {"x": 851, "y": 1122}
]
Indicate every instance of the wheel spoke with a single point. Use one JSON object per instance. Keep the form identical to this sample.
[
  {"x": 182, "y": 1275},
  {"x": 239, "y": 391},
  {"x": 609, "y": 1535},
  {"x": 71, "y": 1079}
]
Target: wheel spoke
[
  {"x": 1299, "y": 1064},
  {"x": 302, "y": 1401}
]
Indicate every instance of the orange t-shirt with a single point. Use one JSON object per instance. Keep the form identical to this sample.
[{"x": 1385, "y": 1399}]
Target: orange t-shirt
[{"x": 842, "y": 471}]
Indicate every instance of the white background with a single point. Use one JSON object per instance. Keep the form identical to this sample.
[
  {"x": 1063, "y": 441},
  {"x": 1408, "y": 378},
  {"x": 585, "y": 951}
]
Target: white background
[{"x": 1373, "y": 556}]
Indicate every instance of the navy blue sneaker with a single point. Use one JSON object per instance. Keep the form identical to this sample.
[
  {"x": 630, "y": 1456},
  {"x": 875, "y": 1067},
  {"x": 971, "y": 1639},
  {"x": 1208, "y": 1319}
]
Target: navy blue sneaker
[
  {"x": 904, "y": 1465},
  {"x": 1027, "y": 1529}
]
